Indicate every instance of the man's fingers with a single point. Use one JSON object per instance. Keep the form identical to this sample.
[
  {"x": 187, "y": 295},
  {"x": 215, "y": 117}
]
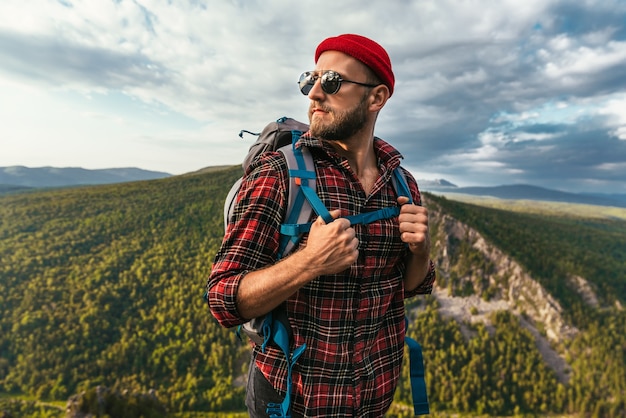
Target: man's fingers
[
  {"x": 335, "y": 213},
  {"x": 402, "y": 200}
]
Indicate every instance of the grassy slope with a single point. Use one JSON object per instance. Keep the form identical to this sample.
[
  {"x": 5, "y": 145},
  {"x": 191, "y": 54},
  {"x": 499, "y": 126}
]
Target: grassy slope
[{"x": 542, "y": 207}]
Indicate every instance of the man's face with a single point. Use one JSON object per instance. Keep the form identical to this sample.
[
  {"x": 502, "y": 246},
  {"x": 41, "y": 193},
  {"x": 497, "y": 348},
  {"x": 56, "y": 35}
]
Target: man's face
[{"x": 339, "y": 116}]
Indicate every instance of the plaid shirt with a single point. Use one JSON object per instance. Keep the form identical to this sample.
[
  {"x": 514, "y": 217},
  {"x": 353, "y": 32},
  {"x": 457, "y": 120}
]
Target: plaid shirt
[{"x": 352, "y": 322}]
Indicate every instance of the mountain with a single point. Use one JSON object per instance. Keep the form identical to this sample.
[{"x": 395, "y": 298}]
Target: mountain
[
  {"x": 103, "y": 287},
  {"x": 436, "y": 184},
  {"x": 525, "y": 191},
  {"x": 71, "y": 176}
]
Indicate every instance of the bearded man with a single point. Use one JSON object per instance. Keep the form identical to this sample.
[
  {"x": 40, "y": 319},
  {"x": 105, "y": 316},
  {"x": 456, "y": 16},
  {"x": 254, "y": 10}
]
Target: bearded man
[{"x": 343, "y": 289}]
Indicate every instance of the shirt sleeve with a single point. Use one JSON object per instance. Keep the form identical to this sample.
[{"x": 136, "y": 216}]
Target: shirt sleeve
[
  {"x": 426, "y": 287},
  {"x": 252, "y": 237}
]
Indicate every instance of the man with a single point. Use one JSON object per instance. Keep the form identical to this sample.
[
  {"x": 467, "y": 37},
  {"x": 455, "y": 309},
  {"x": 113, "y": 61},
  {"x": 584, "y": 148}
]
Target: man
[{"x": 344, "y": 288}]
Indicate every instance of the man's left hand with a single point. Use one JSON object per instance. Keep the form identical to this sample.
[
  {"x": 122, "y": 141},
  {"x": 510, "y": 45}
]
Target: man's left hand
[{"x": 413, "y": 220}]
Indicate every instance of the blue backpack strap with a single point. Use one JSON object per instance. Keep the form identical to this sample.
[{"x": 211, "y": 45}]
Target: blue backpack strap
[
  {"x": 416, "y": 359},
  {"x": 293, "y": 230},
  {"x": 418, "y": 383},
  {"x": 306, "y": 171},
  {"x": 296, "y": 229},
  {"x": 299, "y": 208},
  {"x": 303, "y": 199},
  {"x": 369, "y": 217},
  {"x": 398, "y": 180},
  {"x": 280, "y": 335}
]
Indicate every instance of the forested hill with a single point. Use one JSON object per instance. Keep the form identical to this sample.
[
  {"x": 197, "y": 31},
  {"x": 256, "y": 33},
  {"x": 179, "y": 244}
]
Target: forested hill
[{"x": 103, "y": 286}]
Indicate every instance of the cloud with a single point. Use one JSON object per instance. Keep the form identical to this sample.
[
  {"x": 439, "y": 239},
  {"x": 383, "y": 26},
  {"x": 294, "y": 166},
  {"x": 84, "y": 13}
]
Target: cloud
[{"x": 487, "y": 93}]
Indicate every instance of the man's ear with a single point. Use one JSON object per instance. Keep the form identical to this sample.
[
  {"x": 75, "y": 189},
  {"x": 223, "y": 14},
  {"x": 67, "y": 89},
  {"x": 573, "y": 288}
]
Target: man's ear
[{"x": 378, "y": 97}]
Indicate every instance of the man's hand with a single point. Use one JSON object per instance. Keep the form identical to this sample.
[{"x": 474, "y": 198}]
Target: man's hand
[
  {"x": 332, "y": 247},
  {"x": 329, "y": 249},
  {"x": 413, "y": 221}
]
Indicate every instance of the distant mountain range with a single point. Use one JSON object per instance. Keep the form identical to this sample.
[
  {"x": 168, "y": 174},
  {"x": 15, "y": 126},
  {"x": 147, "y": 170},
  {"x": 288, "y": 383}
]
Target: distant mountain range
[
  {"x": 16, "y": 178},
  {"x": 524, "y": 191}
]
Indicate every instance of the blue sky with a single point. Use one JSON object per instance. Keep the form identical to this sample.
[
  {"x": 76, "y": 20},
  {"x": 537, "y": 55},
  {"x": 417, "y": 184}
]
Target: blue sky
[{"x": 487, "y": 92}]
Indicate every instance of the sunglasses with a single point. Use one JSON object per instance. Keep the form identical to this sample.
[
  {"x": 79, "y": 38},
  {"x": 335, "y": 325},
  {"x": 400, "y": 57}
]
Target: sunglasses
[{"x": 329, "y": 80}]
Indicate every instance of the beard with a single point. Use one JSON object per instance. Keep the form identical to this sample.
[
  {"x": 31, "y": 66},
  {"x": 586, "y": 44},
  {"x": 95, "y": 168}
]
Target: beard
[{"x": 345, "y": 124}]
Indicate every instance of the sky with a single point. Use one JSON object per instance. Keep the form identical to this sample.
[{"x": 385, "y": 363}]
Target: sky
[{"x": 487, "y": 92}]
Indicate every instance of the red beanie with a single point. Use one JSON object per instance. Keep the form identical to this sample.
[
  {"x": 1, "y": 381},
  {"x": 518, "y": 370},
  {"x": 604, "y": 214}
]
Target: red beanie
[{"x": 363, "y": 49}]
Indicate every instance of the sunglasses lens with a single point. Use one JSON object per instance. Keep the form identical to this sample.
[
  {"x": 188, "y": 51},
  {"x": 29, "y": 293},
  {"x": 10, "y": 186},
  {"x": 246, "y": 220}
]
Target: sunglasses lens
[
  {"x": 306, "y": 82},
  {"x": 331, "y": 81}
]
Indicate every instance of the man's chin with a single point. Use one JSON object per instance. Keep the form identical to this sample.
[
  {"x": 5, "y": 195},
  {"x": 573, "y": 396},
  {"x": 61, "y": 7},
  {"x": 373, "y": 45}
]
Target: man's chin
[{"x": 315, "y": 126}]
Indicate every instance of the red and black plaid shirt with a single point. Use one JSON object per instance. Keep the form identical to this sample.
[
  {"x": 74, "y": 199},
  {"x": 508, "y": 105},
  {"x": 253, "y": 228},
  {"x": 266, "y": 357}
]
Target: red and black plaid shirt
[{"x": 352, "y": 322}]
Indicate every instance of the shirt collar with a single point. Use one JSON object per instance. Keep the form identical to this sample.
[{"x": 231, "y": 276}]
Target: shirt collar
[{"x": 387, "y": 155}]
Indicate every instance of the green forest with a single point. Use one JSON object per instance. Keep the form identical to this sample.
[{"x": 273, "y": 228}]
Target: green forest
[{"x": 102, "y": 287}]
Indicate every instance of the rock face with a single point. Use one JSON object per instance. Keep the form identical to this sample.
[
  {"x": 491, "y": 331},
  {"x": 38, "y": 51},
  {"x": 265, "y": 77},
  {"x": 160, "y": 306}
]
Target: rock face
[{"x": 475, "y": 279}]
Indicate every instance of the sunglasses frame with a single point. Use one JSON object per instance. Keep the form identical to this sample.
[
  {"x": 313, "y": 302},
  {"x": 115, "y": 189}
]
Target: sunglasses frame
[{"x": 308, "y": 79}]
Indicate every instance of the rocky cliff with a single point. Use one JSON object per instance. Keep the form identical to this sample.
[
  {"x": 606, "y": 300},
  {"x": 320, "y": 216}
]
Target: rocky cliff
[{"x": 476, "y": 279}]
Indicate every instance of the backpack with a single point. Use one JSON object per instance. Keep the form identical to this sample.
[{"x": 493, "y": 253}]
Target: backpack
[{"x": 282, "y": 136}]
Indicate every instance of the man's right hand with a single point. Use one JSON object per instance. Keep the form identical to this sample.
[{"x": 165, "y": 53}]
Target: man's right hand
[
  {"x": 329, "y": 249},
  {"x": 332, "y": 247}
]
